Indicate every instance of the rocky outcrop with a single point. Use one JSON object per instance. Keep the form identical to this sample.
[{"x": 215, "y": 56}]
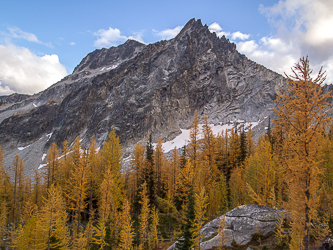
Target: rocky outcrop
[
  {"x": 241, "y": 224},
  {"x": 140, "y": 89}
]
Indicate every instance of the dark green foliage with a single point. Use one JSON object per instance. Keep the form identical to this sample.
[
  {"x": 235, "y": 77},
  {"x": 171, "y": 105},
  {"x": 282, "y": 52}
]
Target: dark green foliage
[
  {"x": 149, "y": 170},
  {"x": 185, "y": 242},
  {"x": 183, "y": 157},
  {"x": 243, "y": 148}
]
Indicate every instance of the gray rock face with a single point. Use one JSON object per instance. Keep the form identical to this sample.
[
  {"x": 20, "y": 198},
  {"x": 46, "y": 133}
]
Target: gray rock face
[
  {"x": 241, "y": 223},
  {"x": 140, "y": 89}
]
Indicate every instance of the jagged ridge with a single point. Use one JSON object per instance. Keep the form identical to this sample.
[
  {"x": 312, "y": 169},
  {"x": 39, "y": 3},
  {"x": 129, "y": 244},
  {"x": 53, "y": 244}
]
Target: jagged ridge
[{"x": 140, "y": 89}]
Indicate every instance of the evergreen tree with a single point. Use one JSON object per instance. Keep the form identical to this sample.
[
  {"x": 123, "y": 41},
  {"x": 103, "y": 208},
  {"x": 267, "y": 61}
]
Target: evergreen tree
[
  {"x": 149, "y": 170},
  {"x": 243, "y": 145},
  {"x": 185, "y": 242},
  {"x": 159, "y": 168}
]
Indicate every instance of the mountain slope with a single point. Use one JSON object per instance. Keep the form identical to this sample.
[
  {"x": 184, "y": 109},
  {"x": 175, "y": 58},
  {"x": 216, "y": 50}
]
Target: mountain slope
[{"x": 140, "y": 89}]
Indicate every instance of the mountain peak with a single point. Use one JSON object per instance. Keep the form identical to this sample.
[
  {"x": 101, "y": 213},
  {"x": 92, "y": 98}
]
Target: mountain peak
[{"x": 191, "y": 25}]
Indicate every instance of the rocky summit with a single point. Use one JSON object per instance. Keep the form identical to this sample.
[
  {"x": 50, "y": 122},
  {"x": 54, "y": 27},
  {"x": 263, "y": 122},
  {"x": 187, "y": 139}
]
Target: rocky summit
[{"x": 139, "y": 89}]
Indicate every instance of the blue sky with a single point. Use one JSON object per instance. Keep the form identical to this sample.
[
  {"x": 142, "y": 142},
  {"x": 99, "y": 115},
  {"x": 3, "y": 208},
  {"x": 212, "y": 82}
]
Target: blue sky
[{"x": 43, "y": 41}]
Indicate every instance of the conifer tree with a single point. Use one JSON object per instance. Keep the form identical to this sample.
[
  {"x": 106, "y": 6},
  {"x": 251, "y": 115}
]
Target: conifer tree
[
  {"x": 37, "y": 192},
  {"x": 77, "y": 185},
  {"x": 65, "y": 167},
  {"x": 194, "y": 147},
  {"x": 200, "y": 206},
  {"x": 30, "y": 236},
  {"x": 144, "y": 216},
  {"x": 126, "y": 232},
  {"x": 185, "y": 242},
  {"x": 221, "y": 232},
  {"x": 52, "y": 165},
  {"x": 236, "y": 186},
  {"x": 261, "y": 173},
  {"x": 154, "y": 228},
  {"x": 111, "y": 153},
  {"x": 93, "y": 174},
  {"x": 183, "y": 157},
  {"x": 250, "y": 143},
  {"x": 208, "y": 143},
  {"x": 243, "y": 145},
  {"x": 217, "y": 198},
  {"x": 235, "y": 150},
  {"x": 302, "y": 111},
  {"x": 106, "y": 205},
  {"x": 174, "y": 168},
  {"x": 185, "y": 182},
  {"x": 17, "y": 168},
  {"x": 221, "y": 153},
  {"x": 3, "y": 220},
  {"x": 53, "y": 219},
  {"x": 159, "y": 168},
  {"x": 138, "y": 164},
  {"x": 149, "y": 169}
]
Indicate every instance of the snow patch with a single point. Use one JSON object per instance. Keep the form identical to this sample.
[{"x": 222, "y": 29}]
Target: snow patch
[
  {"x": 49, "y": 135},
  {"x": 183, "y": 139},
  {"x": 43, "y": 157},
  {"x": 21, "y": 148},
  {"x": 102, "y": 69},
  {"x": 127, "y": 159},
  {"x": 41, "y": 166},
  {"x": 113, "y": 67},
  {"x": 35, "y": 105}
]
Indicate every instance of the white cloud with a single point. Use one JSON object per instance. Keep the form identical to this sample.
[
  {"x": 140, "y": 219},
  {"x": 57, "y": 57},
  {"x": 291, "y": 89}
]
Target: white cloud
[
  {"x": 72, "y": 43},
  {"x": 138, "y": 36},
  {"x": 307, "y": 26},
  {"x": 16, "y": 32},
  {"x": 168, "y": 34},
  {"x": 238, "y": 35},
  {"x": 215, "y": 27},
  {"x": 112, "y": 37},
  {"x": 22, "y": 71},
  {"x": 107, "y": 38},
  {"x": 303, "y": 28},
  {"x": 273, "y": 53}
]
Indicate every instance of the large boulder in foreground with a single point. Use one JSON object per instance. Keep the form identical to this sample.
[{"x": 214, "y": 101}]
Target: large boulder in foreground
[{"x": 241, "y": 224}]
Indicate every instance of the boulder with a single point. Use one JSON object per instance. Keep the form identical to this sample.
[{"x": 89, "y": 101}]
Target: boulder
[{"x": 241, "y": 224}]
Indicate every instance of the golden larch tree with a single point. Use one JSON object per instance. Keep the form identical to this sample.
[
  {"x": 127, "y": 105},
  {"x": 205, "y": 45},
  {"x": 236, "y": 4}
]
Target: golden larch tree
[
  {"x": 126, "y": 232},
  {"x": 302, "y": 112}
]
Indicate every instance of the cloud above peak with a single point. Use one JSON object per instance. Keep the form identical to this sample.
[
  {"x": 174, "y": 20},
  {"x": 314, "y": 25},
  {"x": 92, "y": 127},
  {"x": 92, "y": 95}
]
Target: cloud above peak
[
  {"x": 215, "y": 27},
  {"x": 113, "y": 36},
  {"x": 302, "y": 28},
  {"x": 168, "y": 34}
]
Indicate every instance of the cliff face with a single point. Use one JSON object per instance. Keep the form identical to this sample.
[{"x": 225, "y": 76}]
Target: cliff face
[{"x": 140, "y": 89}]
